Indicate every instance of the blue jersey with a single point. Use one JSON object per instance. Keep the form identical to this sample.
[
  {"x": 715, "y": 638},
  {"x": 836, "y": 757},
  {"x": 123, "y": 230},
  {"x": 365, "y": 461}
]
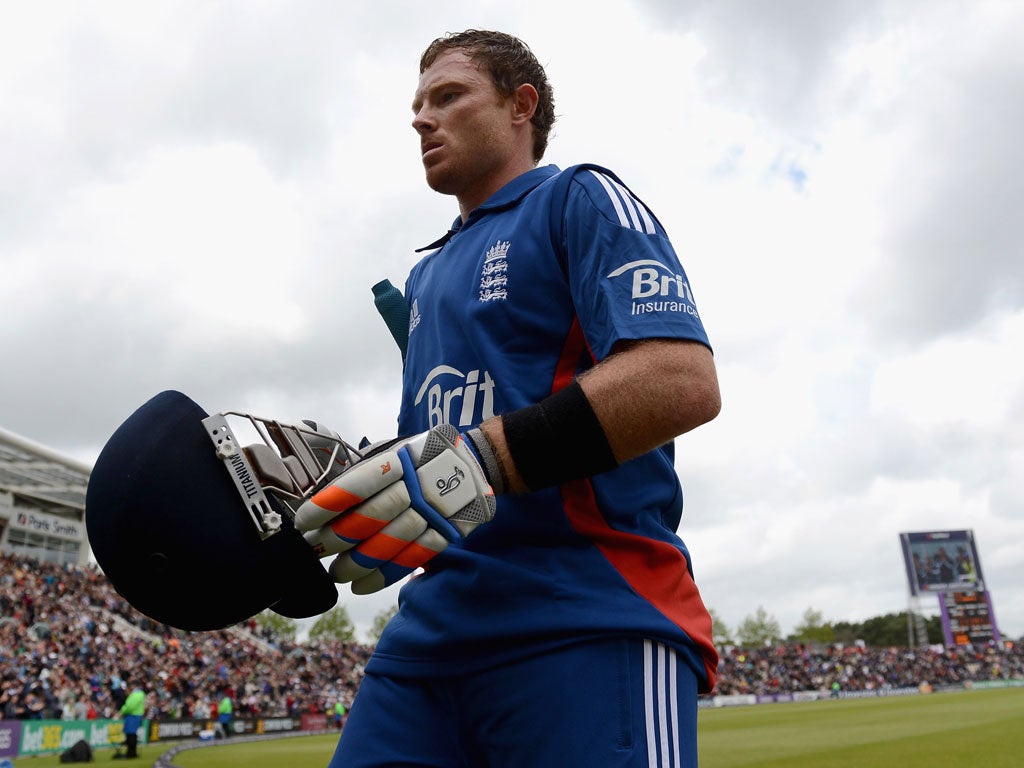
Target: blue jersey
[{"x": 514, "y": 305}]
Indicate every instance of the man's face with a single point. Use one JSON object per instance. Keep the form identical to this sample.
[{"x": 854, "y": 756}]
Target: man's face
[{"x": 465, "y": 127}]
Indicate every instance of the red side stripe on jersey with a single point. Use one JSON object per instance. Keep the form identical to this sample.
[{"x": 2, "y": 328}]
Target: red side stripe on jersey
[
  {"x": 572, "y": 349},
  {"x": 673, "y": 591}
]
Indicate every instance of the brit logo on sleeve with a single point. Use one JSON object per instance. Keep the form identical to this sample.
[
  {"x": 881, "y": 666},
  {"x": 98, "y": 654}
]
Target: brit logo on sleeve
[
  {"x": 494, "y": 273},
  {"x": 654, "y": 288}
]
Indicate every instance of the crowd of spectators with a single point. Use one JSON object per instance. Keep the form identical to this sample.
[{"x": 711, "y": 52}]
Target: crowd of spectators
[
  {"x": 63, "y": 656},
  {"x": 798, "y": 667}
]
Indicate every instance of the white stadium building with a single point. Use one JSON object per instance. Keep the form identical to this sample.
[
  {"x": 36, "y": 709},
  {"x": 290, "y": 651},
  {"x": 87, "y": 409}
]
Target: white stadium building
[{"x": 42, "y": 502}]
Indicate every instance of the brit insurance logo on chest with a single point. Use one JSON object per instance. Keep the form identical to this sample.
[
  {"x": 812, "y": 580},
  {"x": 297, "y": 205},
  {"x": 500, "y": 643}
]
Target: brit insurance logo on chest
[
  {"x": 494, "y": 273},
  {"x": 452, "y": 396}
]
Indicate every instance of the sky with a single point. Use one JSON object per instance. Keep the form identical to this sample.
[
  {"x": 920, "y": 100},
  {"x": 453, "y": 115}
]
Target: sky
[{"x": 199, "y": 195}]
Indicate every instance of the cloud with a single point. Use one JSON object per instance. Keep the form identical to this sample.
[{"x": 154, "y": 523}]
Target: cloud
[
  {"x": 778, "y": 61},
  {"x": 200, "y": 196}
]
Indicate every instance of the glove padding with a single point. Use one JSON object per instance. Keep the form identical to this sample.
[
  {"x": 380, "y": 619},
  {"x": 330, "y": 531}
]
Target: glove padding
[{"x": 396, "y": 509}]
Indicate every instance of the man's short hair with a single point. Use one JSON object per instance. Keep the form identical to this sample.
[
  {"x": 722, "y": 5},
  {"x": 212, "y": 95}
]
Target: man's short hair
[{"x": 511, "y": 64}]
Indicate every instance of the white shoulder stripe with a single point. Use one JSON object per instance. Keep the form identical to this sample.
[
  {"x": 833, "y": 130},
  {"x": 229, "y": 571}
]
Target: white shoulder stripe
[
  {"x": 629, "y": 204},
  {"x": 613, "y": 197},
  {"x": 629, "y": 210},
  {"x": 648, "y": 222}
]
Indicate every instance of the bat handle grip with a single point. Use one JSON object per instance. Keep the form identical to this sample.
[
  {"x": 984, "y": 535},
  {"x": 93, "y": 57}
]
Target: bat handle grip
[{"x": 392, "y": 307}]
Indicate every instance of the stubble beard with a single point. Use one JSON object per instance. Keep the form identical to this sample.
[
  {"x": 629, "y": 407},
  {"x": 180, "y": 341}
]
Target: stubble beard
[{"x": 461, "y": 178}]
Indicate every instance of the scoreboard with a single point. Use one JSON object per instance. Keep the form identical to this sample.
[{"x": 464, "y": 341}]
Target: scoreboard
[
  {"x": 946, "y": 564},
  {"x": 967, "y": 618}
]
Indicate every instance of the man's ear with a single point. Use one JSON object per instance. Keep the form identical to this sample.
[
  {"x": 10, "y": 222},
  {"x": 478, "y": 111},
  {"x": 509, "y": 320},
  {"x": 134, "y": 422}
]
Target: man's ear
[{"x": 524, "y": 103}]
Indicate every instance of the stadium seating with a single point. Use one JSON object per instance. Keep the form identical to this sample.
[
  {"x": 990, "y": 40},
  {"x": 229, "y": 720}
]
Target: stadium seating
[{"x": 68, "y": 641}]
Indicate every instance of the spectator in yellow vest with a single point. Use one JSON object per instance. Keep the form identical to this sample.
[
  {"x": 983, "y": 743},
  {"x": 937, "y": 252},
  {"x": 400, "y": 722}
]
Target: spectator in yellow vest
[
  {"x": 224, "y": 710},
  {"x": 132, "y": 710}
]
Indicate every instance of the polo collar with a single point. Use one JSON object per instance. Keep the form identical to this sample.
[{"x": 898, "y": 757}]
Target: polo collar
[{"x": 506, "y": 197}]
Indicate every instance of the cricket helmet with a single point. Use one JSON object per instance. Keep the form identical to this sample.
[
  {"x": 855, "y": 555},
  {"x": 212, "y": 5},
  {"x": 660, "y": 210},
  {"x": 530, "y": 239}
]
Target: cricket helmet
[{"x": 172, "y": 533}]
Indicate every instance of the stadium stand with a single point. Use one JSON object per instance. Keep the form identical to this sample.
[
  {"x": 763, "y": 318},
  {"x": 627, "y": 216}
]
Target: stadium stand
[
  {"x": 42, "y": 502},
  {"x": 68, "y": 641},
  {"x": 793, "y": 668}
]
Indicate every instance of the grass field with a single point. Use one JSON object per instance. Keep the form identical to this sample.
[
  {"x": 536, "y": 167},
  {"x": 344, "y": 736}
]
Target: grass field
[
  {"x": 973, "y": 729},
  {"x": 983, "y": 729},
  {"x": 298, "y": 752}
]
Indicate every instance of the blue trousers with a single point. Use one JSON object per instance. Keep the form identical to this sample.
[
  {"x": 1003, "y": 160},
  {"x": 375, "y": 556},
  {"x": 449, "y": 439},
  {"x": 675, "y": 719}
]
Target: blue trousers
[
  {"x": 616, "y": 703},
  {"x": 132, "y": 723}
]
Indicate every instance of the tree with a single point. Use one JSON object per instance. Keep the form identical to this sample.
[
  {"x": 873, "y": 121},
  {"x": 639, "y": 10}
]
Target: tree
[
  {"x": 333, "y": 625},
  {"x": 720, "y": 632},
  {"x": 885, "y": 631},
  {"x": 380, "y": 621},
  {"x": 891, "y": 630},
  {"x": 813, "y": 629},
  {"x": 282, "y": 627},
  {"x": 759, "y": 629},
  {"x": 845, "y": 632}
]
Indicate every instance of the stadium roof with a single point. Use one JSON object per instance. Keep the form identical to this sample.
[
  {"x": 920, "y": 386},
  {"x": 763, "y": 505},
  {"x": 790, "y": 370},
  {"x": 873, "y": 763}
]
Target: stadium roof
[{"x": 41, "y": 476}]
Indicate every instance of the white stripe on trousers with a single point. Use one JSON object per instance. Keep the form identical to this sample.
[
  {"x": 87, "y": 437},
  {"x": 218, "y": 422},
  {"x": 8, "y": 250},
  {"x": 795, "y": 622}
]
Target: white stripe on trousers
[{"x": 661, "y": 706}]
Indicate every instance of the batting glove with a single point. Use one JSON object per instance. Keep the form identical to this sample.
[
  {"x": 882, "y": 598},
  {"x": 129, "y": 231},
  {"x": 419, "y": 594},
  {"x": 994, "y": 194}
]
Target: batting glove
[{"x": 395, "y": 510}]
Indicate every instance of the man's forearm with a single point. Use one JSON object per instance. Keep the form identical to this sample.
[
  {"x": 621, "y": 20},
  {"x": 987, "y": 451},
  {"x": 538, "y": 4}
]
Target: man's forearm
[{"x": 644, "y": 395}]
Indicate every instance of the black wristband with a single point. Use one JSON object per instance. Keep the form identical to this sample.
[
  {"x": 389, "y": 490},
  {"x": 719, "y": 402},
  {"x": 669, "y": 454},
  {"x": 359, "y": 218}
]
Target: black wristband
[{"x": 557, "y": 440}]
